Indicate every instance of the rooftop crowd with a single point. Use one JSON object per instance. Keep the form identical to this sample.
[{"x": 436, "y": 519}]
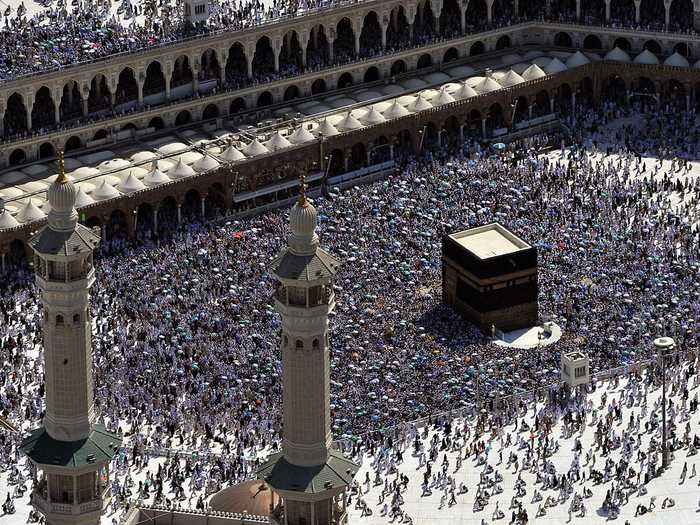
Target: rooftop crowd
[
  {"x": 189, "y": 323},
  {"x": 54, "y": 35}
]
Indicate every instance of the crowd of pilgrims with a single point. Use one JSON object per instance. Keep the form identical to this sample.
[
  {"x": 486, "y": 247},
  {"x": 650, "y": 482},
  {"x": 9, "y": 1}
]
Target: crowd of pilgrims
[
  {"x": 188, "y": 322},
  {"x": 54, "y": 34}
]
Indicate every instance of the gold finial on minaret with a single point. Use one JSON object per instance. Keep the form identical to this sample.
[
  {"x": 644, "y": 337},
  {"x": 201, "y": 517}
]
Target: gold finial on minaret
[
  {"x": 61, "y": 179},
  {"x": 302, "y": 203}
]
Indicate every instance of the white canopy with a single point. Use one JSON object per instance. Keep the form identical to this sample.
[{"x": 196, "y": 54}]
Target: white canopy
[
  {"x": 677, "y": 60},
  {"x": 113, "y": 164},
  {"x": 180, "y": 170},
  {"x": 577, "y": 59},
  {"x": 348, "y": 123},
  {"x": 533, "y": 73},
  {"x": 555, "y": 66},
  {"x": 231, "y": 154},
  {"x": 618, "y": 55},
  {"x": 301, "y": 135},
  {"x": 372, "y": 117},
  {"x": 419, "y": 104},
  {"x": 646, "y": 57},
  {"x": 326, "y": 128},
  {"x": 82, "y": 198},
  {"x": 443, "y": 98},
  {"x": 465, "y": 91},
  {"x": 255, "y": 148},
  {"x": 487, "y": 85},
  {"x": 104, "y": 191},
  {"x": 511, "y": 79},
  {"x": 277, "y": 142},
  {"x": 155, "y": 176},
  {"x": 396, "y": 110},
  {"x": 206, "y": 163},
  {"x": 7, "y": 221}
]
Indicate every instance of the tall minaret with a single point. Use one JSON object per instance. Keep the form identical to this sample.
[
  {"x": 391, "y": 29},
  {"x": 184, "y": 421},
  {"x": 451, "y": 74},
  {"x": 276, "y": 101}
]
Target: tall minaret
[
  {"x": 310, "y": 477},
  {"x": 71, "y": 450}
]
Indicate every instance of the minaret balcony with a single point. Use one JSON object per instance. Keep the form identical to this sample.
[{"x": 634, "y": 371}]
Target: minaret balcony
[{"x": 68, "y": 509}]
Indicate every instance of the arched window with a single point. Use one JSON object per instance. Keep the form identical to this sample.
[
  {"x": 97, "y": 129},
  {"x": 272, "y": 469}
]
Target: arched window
[
  {"x": 59, "y": 319},
  {"x": 300, "y": 344},
  {"x": 315, "y": 344},
  {"x": 286, "y": 342},
  {"x": 76, "y": 318}
]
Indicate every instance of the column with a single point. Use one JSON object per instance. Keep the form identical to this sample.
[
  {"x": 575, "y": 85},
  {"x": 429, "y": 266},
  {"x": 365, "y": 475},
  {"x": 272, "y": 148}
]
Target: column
[
  {"x": 462, "y": 19},
  {"x": 75, "y": 490},
  {"x": 304, "y": 43},
  {"x": 369, "y": 156},
  {"x": 2, "y": 262},
  {"x": 30, "y": 107},
  {"x": 179, "y": 213},
  {"x": 483, "y": 128},
  {"x": 391, "y": 151},
  {"x": 196, "y": 69},
  {"x": 637, "y": 11},
  {"x": 276, "y": 50},
  {"x": 461, "y": 134},
  {"x": 112, "y": 98},
  {"x": 168, "y": 78},
  {"x": 551, "y": 105},
  {"x": 347, "y": 162},
  {"x": 85, "y": 107},
  {"x": 2, "y": 122},
  {"x": 385, "y": 28},
  {"x": 249, "y": 59},
  {"x": 607, "y": 11},
  {"x": 529, "y": 111},
  {"x": 140, "y": 85},
  {"x": 155, "y": 220},
  {"x": 203, "y": 199},
  {"x": 357, "y": 43},
  {"x": 667, "y": 6},
  {"x": 489, "y": 10},
  {"x": 578, "y": 10},
  {"x": 573, "y": 100},
  {"x": 222, "y": 68},
  {"x": 687, "y": 102}
]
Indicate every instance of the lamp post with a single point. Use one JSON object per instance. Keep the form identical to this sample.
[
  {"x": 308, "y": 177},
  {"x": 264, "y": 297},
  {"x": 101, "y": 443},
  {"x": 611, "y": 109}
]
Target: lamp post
[{"x": 663, "y": 345}]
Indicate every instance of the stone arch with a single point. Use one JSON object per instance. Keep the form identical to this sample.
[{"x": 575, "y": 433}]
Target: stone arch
[
  {"x": 424, "y": 61},
  {"x": 404, "y": 142},
  {"x": 398, "y": 33},
  {"x": 291, "y": 93},
  {"x": 46, "y": 150},
  {"x": 318, "y": 48},
  {"x": 117, "y": 226},
  {"x": 397, "y": 68},
  {"x": 73, "y": 143},
  {"x": 209, "y": 67},
  {"x": 358, "y": 156},
  {"x": 542, "y": 105},
  {"x": 192, "y": 205},
  {"x": 615, "y": 89},
  {"x": 653, "y": 46},
  {"x": 424, "y": 26},
  {"x": 100, "y": 134},
  {"x": 16, "y": 254},
  {"x": 623, "y": 44},
  {"x": 210, "y": 112},
  {"x": 683, "y": 49},
  {"x": 450, "y": 130},
  {"x": 564, "y": 10},
  {"x": 592, "y": 42},
  {"x": 593, "y": 11},
  {"x": 344, "y": 43},
  {"x": 477, "y": 14},
  {"x": 379, "y": 151},
  {"x": 291, "y": 54},
  {"x": 495, "y": 118},
  {"x": 336, "y": 162},
  {"x": 237, "y": 105},
  {"x": 15, "y": 120},
  {"x": 680, "y": 19},
  {"x": 430, "y": 135},
  {"x": 520, "y": 110},
  {"x": 503, "y": 42},
  {"x": 264, "y": 58},
  {"x": 450, "y": 19},
  {"x": 319, "y": 86},
  {"x": 183, "y": 117},
  {"x": 129, "y": 126},
  {"x": 44, "y": 110},
  {"x": 563, "y": 39},
  {"x": 71, "y": 105},
  {"x": 674, "y": 93},
  {"x": 215, "y": 202},
  {"x": 265, "y": 99},
  {"x": 182, "y": 72},
  {"x": 502, "y": 11},
  {"x": 370, "y": 35},
  {"x": 167, "y": 215},
  {"x": 372, "y": 74},
  {"x": 127, "y": 88},
  {"x": 450, "y": 55},
  {"x": 99, "y": 96},
  {"x": 144, "y": 217},
  {"x": 237, "y": 66},
  {"x": 623, "y": 11},
  {"x": 477, "y": 48},
  {"x": 18, "y": 156},
  {"x": 345, "y": 80},
  {"x": 156, "y": 123},
  {"x": 155, "y": 79}
]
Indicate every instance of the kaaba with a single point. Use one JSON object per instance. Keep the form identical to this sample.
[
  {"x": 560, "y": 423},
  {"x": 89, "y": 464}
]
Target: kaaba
[{"x": 489, "y": 276}]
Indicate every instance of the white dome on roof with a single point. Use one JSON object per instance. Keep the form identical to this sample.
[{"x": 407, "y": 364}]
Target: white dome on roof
[
  {"x": 301, "y": 135},
  {"x": 104, "y": 191},
  {"x": 112, "y": 164},
  {"x": 326, "y": 129},
  {"x": 465, "y": 92},
  {"x": 677, "y": 60},
  {"x": 487, "y": 85},
  {"x": 277, "y": 142},
  {"x": 555, "y": 66},
  {"x": 7, "y": 221},
  {"x": 231, "y": 154},
  {"x": 131, "y": 184},
  {"x": 206, "y": 163},
  {"x": 533, "y": 73},
  {"x": 180, "y": 170},
  {"x": 255, "y": 148},
  {"x": 30, "y": 212},
  {"x": 373, "y": 117},
  {"x": 577, "y": 59},
  {"x": 155, "y": 176},
  {"x": 443, "y": 98},
  {"x": 646, "y": 57},
  {"x": 142, "y": 156},
  {"x": 82, "y": 199},
  {"x": 419, "y": 104},
  {"x": 511, "y": 79},
  {"x": 396, "y": 110},
  {"x": 618, "y": 55},
  {"x": 348, "y": 123}
]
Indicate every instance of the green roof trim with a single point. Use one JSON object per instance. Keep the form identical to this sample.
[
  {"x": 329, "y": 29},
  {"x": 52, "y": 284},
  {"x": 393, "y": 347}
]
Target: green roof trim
[
  {"x": 98, "y": 448},
  {"x": 336, "y": 472}
]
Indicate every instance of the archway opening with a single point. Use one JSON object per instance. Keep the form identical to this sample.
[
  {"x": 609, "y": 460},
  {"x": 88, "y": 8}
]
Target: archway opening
[
  {"x": 593, "y": 11},
  {"x": 344, "y": 44},
  {"x": 15, "y": 120},
  {"x": 44, "y": 112},
  {"x": 100, "y": 134},
  {"x": 215, "y": 202},
  {"x": 563, "y": 40},
  {"x": 653, "y": 46},
  {"x": 345, "y": 80},
  {"x": 291, "y": 55},
  {"x": 652, "y": 14},
  {"x": 450, "y": 55},
  {"x": 358, "y": 156},
  {"x": 424, "y": 27},
  {"x": 317, "y": 49},
  {"x": 73, "y": 143},
  {"x": 210, "y": 112},
  {"x": 183, "y": 118},
  {"x": 319, "y": 86},
  {"x": 236, "y": 106},
  {"x": 156, "y": 123},
  {"x": 502, "y": 11},
  {"x": 563, "y": 10},
  {"x": 476, "y": 16},
  {"x": 503, "y": 42},
  {"x": 155, "y": 80},
  {"x": 477, "y": 48},
  {"x": 236, "y": 66},
  {"x": 372, "y": 74},
  {"x": 192, "y": 206},
  {"x": 450, "y": 17},
  {"x": 17, "y": 157},
  {"x": 680, "y": 19},
  {"x": 370, "y": 36},
  {"x": 291, "y": 93},
  {"x": 398, "y": 33},
  {"x": 71, "y": 106},
  {"x": 99, "y": 96},
  {"x": 46, "y": 150},
  {"x": 682, "y": 49},
  {"x": 265, "y": 99},
  {"x": 592, "y": 42},
  {"x": 404, "y": 143},
  {"x": 623, "y": 44},
  {"x": 117, "y": 226},
  {"x": 182, "y": 72},
  {"x": 127, "y": 88},
  {"x": 398, "y": 68},
  {"x": 623, "y": 12},
  {"x": 424, "y": 61},
  {"x": 263, "y": 59},
  {"x": 209, "y": 66}
]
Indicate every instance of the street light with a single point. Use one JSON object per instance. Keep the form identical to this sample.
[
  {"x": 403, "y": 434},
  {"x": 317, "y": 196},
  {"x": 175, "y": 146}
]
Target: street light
[{"x": 663, "y": 346}]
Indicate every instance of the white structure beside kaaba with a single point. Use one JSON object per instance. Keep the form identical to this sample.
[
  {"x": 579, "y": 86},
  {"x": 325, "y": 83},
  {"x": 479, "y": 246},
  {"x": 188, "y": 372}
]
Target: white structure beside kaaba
[{"x": 489, "y": 276}]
